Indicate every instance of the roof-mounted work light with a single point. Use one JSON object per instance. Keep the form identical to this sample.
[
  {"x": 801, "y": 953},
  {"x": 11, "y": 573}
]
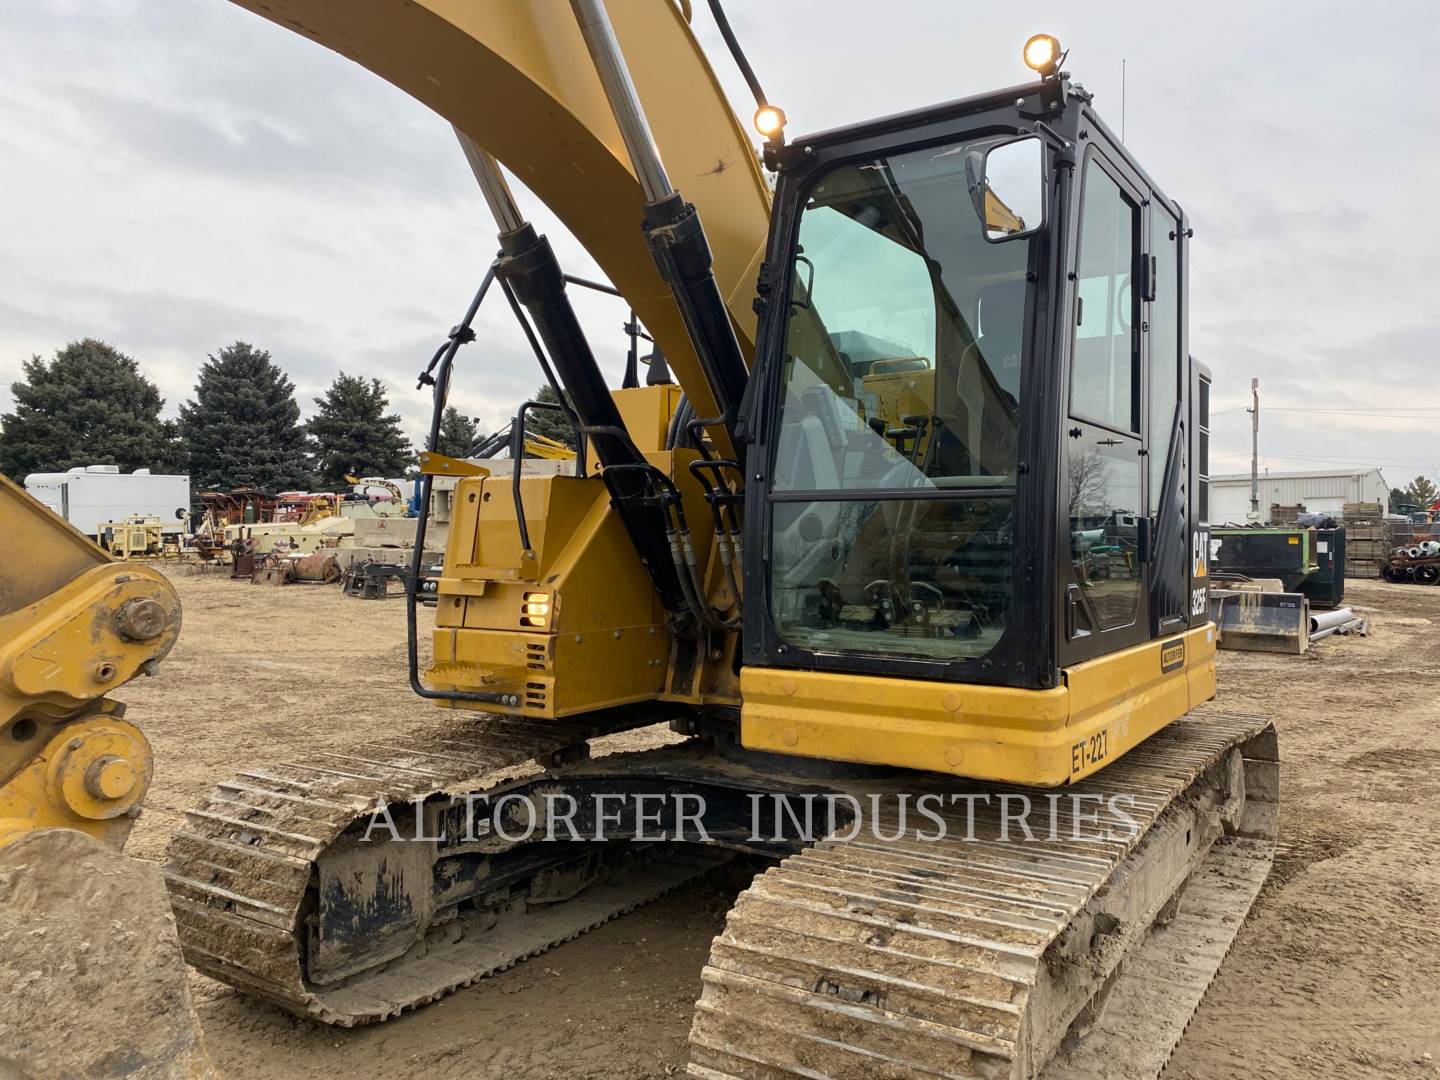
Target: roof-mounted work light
[
  {"x": 1043, "y": 55},
  {"x": 770, "y": 120}
]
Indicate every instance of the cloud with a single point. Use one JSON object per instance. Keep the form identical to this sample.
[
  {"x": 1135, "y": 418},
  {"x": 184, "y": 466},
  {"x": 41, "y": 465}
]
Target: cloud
[{"x": 211, "y": 89}]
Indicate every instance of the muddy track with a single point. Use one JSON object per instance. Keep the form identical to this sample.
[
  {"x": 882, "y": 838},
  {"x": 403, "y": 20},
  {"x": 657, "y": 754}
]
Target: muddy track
[{"x": 242, "y": 868}]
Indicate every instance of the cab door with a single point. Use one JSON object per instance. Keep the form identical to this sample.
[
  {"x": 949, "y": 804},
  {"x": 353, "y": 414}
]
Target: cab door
[{"x": 1105, "y": 485}]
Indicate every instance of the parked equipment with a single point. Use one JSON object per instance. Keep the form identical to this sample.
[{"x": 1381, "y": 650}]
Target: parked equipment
[
  {"x": 137, "y": 537},
  {"x": 1306, "y": 560},
  {"x": 875, "y": 584},
  {"x": 828, "y": 591},
  {"x": 362, "y": 484},
  {"x": 371, "y": 580},
  {"x": 428, "y": 582},
  {"x": 86, "y": 496},
  {"x": 1261, "y": 620}
]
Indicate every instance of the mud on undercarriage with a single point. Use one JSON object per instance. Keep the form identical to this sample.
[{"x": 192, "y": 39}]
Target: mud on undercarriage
[{"x": 874, "y": 943}]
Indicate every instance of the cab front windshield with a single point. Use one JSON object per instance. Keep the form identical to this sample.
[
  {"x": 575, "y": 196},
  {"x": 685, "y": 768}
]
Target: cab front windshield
[{"x": 893, "y": 499}]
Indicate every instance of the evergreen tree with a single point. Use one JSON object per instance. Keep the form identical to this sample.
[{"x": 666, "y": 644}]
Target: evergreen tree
[
  {"x": 354, "y": 433},
  {"x": 174, "y": 458},
  {"x": 243, "y": 428},
  {"x": 458, "y": 433},
  {"x": 88, "y": 406},
  {"x": 1421, "y": 492},
  {"x": 548, "y": 422}
]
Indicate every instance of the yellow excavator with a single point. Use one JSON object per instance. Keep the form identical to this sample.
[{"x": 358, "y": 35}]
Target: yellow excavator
[
  {"x": 396, "y": 495},
  {"x": 914, "y": 556},
  {"x": 533, "y": 445}
]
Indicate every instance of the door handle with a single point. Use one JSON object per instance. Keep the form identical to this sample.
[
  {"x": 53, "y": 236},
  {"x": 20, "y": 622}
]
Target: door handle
[{"x": 1072, "y": 603}]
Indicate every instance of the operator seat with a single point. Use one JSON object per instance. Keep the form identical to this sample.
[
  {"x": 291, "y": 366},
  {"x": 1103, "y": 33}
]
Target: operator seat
[{"x": 980, "y": 395}]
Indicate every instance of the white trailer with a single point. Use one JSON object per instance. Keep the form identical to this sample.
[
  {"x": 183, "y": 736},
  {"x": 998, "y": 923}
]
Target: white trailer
[{"x": 87, "y": 495}]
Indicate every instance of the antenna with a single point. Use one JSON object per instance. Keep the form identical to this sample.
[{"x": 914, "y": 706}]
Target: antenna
[{"x": 1122, "y": 99}]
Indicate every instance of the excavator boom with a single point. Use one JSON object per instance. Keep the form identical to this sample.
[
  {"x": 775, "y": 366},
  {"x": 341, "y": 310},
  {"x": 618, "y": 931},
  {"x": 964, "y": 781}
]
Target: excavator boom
[{"x": 517, "y": 79}]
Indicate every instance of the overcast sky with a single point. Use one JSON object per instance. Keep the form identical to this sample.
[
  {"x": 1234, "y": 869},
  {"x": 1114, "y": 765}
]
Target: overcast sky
[{"x": 181, "y": 173}]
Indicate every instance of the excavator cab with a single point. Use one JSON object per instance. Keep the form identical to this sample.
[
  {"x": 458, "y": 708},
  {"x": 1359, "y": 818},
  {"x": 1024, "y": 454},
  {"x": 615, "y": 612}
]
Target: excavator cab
[{"x": 971, "y": 349}]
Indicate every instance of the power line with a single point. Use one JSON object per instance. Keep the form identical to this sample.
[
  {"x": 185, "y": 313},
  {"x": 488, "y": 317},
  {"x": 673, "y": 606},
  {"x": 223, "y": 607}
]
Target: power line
[
  {"x": 1387, "y": 411},
  {"x": 1392, "y": 414},
  {"x": 1428, "y": 463}
]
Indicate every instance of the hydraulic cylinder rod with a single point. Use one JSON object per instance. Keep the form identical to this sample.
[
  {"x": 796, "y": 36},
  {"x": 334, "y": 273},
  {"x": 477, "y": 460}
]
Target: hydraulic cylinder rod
[
  {"x": 492, "y": 185},
  {"x": 528, "y": 264},
  {"x": 672, "y": 226}
]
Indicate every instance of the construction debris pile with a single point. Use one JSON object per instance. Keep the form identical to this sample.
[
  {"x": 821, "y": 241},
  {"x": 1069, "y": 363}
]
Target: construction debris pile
[
  {"x": 1414, "y": 563},
  {"x": 1339, "y": 621},
  {"x": 1390, "y": 546}
]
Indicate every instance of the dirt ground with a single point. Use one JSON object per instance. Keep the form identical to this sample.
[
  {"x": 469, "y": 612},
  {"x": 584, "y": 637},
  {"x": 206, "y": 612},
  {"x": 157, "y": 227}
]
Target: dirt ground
[{"x": 1336, "y": 973}]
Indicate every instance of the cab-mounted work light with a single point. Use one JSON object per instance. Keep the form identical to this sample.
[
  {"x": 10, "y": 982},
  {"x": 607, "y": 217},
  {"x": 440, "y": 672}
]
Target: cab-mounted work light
[
  {"x": 769, "y": 120},
  {"x": 1042, "y": 55}
]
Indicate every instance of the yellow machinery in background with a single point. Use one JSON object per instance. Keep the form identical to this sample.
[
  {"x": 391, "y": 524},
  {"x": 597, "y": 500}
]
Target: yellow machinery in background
[
  {"x": 546, "y": 448},
  {"x": 396, "y": 495},
  {"x": 136, "y": 537},
  {"x": 320, "y": 508}
]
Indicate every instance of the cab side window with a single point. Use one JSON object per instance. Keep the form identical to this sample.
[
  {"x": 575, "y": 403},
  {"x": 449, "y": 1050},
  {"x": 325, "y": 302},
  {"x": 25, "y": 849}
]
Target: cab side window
[
  {"x": 1104, "y": 377},
  {"x": 1106, "y": 499},
  {"x": 1165, "y": 358}
]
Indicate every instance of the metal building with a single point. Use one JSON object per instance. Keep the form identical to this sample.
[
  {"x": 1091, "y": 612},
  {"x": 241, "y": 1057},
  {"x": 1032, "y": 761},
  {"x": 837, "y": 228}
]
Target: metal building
[{"x": 1322, "y": 492}]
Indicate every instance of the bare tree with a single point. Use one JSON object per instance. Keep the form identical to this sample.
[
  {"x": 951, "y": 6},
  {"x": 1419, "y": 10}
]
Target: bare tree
[{"x": 1089, "y": 494}]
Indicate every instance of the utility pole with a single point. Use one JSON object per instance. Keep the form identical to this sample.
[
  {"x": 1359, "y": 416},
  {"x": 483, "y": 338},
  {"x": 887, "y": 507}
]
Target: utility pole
[{"x": 1254, "y": 412}]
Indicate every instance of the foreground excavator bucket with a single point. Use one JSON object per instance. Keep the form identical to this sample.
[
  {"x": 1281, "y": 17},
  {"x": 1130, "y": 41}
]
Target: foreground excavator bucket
[{"x": 87, "y": 941}]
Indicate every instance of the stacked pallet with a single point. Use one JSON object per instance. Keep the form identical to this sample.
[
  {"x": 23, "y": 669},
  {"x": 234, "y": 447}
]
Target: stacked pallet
[
  {"x": 1285, "y": 515},
  {"x": 1368, "y": 540},
  {"x": 1364, "y": 511}
]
